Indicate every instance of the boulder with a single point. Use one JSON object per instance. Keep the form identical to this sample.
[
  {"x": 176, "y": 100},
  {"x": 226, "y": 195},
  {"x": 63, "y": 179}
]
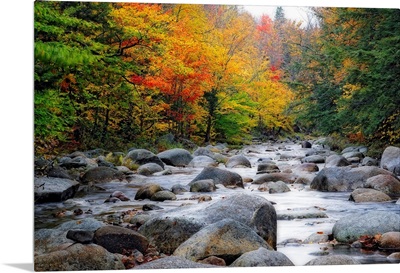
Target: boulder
[
  {"x": 50, "y": 189},
  {"x": 306, "y": 145},
  {"x": 176, "y": 157},
  {"x": 313, "y": 159},
  {"x": 369, "y": 161},
  {"x": 101, "y": 175},
  {"x": 349, "y": 228},
  {"x": 317, "y": 238},
  {"x": 394, "y": 256},
  {"x": 333, "y": 260},
  {"x": 262, "y": 257},
  {"x": 307, "y": 167},
  {"x": 344, "y": 178},
  {"x": 275, "y": 187},
  {"x": 179, "y": 189},
  {"x": 119, "y": 239},
  {"x": 167, "y": 231},
  {"x": 353, "y": 155},
  {"x": 78, "y": 257},
  {"x": 391, "y": 160},
  {"x": 224, "y": 177},
  {"x": 274, "y": 177},
  {"x": 360, "y": 149},
  {"x": 267, "y": 168},
  {"x": 58, "y": 172},
  {"x": 149, "y": 169},
  {"x": 202, "y": 161},
  {"x": 361, "y": 195},
  {"x": 77, "y": 162},
  {"x": 206, "y": 185},
  {"x": 336, "y": 161},
  {"x": 227, "y": 239},
  {"x": 390, "y": 240},
  {"x": 172, "y": 262},
  {"x": 238, "y": 161},
  {"x": 80, "y": 236},
  {"x": 385, "y": 183},
  {"x": 141, "y": 157},
  {"x": 162, "y": 196},
  {"x": 147, "y": 191},
  {"x": 47, "y": 240},
  {"x": 202, "y": 151}
]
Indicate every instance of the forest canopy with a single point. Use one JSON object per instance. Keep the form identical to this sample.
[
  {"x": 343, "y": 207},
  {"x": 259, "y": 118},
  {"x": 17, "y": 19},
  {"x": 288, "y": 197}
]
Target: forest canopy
[{"x": 112, "y": 75}]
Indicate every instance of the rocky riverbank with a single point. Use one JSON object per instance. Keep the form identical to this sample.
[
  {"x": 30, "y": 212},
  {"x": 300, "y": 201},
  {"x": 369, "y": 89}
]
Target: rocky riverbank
[{"x": 214, "y": 206}]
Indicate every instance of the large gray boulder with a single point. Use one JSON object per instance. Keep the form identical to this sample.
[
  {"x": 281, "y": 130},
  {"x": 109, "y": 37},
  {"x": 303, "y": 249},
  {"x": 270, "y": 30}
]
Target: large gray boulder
[
  {"x": 224, "y": 177},
  {"x": 176, "y": 157},
  {"x": 147, "y": 191},
  {"x": 101, "y": 175},
  {"x": 238, "y": 161},
  {"x": 47, "y": 240},
  {"x": 149, "y": 169},
  {"x": 51, "y": 189},
  {"x": 119, "y": 239},
  {"x": 361, "y": 195},
  {"x": 391, "y": 160},
  {"x": 349, "y": 228},
  {"x": 141, "y": 157},
  {"x": 262, "y": 257},
  {"x": 167, "y": 231},
  {"x": 202, "y": 161},
  {"x": 227, "y": 239},
  {"x": 344, "y": 178},
  {"x": 274, "y": 177},
  {"x": 336, "y": 161},
  {"x": 78, "y": 257},
  {"x": 333, "y": 260}
]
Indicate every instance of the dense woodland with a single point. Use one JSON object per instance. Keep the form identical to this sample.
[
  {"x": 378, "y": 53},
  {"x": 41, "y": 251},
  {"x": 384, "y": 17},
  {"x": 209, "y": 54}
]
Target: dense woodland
[{"x": 117, "y": 75}]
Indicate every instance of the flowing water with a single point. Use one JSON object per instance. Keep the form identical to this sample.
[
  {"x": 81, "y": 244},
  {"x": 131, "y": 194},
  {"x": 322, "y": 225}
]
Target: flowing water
[{"x": 334, "y": 204}]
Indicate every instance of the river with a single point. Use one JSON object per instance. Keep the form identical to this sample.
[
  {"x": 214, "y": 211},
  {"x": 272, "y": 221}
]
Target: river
[{"x": 334, "y": 204}]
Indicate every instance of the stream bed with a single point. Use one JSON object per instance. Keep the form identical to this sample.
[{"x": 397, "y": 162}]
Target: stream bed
[{"x": 334, "y": 204}]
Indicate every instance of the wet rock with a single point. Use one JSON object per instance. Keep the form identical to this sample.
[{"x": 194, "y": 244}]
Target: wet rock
[
  {"x": 50, "y": 189},
  {"x": 316, "y": 238},
  {"x": 336, "y": 161},
  {"x": 149, "y": 169},
  {"x": 147, "y": 191},
  {"x": 360, "y": 149},
  {"x": 275, "y": 187},
  {"x": 120, "y": 195},
  {"x": 141, "y": 157},
  {"x": 140, "y": 219},
  {"x": 306, "y": 213},
  {"x": 291, "y": 242},
  {"x": 101, "y": 175},
  {"x": 102, "y": 161},
  {"x": 307, "y": 167},
  {"x": 47, "y": 240},
  {"x": 349, "y": 228},
  {"x": 344, "y": 178},
  {"x": 77, "y": 162},
  {"x": 227, "y": 239},
  {"x": 78, "y": 257},
  {"x": 267, "y": 168},
  {"x": 179, "y": 189},
  {"x": 368, "y": 195},
  {"x": 306, "y": 145},
  {"x": 262, "y": 257},
  {"x": 80, "y": 236},
  {"x": 349, "y": 155},
  {"x": 172, "y": 262},
  {"x": 176, "y": 157},
  {"x": 118, "y": 239},
  {"x": 219, "y": 176},
  {"x": 333, "y": 260},
  {"x": 202, "y": 161},
  {"x": 390, "y": 240},
  {"x": 202, "y": 151},
  {"x": 169, "y": 230},
  {"x": 274, "y": 177},
  {"x": 384, "y": 183},
  {"x": 58, "y": 172},
  {"x": 369, "y": 161},
  {"x": 162, "y": 196},
  {"x": 238, "y": 161},
  {"x": 206, "y": 185},
  {"x": 147, "y": 207},
  {"x": 313, "y": 159},
  {"x": 391, "y": 160},
  {"x": 394, "y": 256}
]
